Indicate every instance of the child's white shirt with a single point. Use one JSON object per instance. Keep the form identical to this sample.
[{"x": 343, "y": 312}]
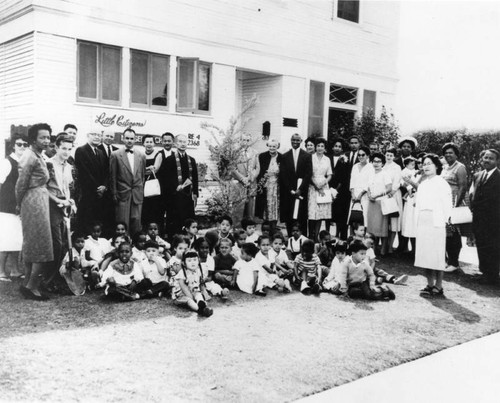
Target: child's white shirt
[
  {"x": 207, "y": 266},
  {"x": 160, "y": 241},
  {"x": 246, "y": 270},
  {"x": 77, "y": 257},
  {"x": 236, "y": 251},
  {"x": 192, "y": 279},
  {"x": 266, "y": 260},
  {"x": 150, "y": 271},
  {"x": 281, "y": 257},
  {"x": 254, "y": 237},
  {"x": 97, "y": 248},
  {"x": 334, "y": 269},
  {"x": 138, "y": 255},
  {"x": 370, "y": 254},
  {"x": 122, "y": 279},
  {"x": 174, "y": 264},
  {"x": 295, "y": 245}
]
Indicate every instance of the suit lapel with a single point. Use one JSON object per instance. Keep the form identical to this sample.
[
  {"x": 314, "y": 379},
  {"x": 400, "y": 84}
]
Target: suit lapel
[
  {"x": 136, "y": 162},
  {"x": 125, "y": 161}
]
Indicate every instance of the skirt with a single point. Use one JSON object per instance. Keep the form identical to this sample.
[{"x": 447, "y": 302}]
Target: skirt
[
  {"x": 409, "y": 228},
  {"x": 35, "y": 218},
  {"x": 318, "y": 211},
  {"x": 11, "y": 233},
  {"x": 430, "y": 246},
  {"x": 377, "y": 223},
  {"x": 397, "y": 221}
]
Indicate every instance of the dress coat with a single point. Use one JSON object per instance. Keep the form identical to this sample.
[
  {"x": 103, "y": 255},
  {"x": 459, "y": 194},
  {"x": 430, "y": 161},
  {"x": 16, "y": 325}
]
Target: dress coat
[
  {"x": 340, "y": 182},
  {"x": 288, "y": 182},
  {"x": 92, "y": 172},
  {"x": 261, "y": 201},
  {"x": 485, "y": 206},
  {"x": 125, "y": 184}
]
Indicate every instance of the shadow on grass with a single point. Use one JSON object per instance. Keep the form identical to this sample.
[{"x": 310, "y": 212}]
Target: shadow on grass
[
  {"x": 19, "y": 316},
  {"x": 468, "y": 277},
  {"x": 456, "y": 310}
]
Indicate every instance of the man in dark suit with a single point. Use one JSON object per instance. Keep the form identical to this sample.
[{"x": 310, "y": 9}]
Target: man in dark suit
[
  {"x": 107, "y": 147},
  {"x": 295, "y": 164},
  {"x": 485, "y": 206},
  {"x": 352, "y": 156},
  {"x": 127, "y": 172},
  {"x": 92, "y": 174},
  {"x": 181, "y": 186}
]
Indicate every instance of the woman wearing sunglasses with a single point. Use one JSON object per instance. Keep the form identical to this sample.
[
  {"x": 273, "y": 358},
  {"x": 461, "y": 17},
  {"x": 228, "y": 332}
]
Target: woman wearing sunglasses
[
  {"x": 10, "y": 241},
  {"x": 360, "y": 176}
]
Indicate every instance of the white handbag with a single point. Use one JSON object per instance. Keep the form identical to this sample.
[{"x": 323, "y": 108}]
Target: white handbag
[
  {"x": 389, "y": 205},
  {"x": 152, "y": 187},
  {"x": 461, "y": 215}
]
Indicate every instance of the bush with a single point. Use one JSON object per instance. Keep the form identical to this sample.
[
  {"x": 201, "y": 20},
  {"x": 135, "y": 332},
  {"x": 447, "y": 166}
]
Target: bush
[{"x": 469, "y": 144}]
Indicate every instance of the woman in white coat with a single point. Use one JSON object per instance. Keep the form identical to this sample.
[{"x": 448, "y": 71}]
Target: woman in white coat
[
  {"x": 360, "y": 176},
  {"x": 433, "y": 208}
]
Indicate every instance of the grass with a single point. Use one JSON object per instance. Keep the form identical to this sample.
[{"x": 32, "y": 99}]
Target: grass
[{"x": 274, "y": 348}]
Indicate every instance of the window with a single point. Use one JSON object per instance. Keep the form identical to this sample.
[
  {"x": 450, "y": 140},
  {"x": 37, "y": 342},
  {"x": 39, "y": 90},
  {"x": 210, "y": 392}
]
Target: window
[
  {"x": 316, "y": 108},
  {"x": 99, "y": 73},
  {"x": 148, "y": 80},
  {"x": 343, "y": 95},
  {"x": 369, "y": 99},
  {"x": 348, "y": 10},
  {"x": 193, "y": 86}
]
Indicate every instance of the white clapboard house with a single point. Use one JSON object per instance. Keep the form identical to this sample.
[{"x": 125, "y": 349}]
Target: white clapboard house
[{"x": 168, "y": 65}]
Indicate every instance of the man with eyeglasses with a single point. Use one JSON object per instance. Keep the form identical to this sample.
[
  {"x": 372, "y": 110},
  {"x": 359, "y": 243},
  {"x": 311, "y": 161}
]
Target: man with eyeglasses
[{"x": 93, "y": 181}]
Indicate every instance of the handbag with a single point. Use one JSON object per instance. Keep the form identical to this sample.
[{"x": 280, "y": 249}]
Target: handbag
[
  {"x": 389, "y": 206},
  {"x": 356, "y": 215},
  {"x": 326, "y": 198},
  {"x": 461, "y": 215},
  {"x": 152, "y": 187}
]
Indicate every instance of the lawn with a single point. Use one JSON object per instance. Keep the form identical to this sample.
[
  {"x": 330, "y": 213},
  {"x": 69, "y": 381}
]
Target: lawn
[{"x": 274, "y": 348}]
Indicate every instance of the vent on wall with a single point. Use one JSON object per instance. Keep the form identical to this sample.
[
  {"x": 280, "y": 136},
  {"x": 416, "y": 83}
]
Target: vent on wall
[{"x": 289, "y": 122}]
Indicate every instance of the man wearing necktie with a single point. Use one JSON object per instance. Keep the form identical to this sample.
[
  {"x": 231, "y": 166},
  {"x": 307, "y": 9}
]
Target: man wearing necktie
[
  {"x": 485, "y": 206},
  {"x": 127, "y": 172},
  {"x": 295, "y": 164},
  {"x": 92, "y": 172}
]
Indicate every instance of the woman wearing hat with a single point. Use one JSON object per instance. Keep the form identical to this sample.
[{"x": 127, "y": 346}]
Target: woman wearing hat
[
  {"x": 407, "y": 146},
  {"x": 455, "y": 173}
]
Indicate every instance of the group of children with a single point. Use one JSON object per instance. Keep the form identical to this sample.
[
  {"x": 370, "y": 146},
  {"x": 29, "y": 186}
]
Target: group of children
[{"x": 193, "y": 269}]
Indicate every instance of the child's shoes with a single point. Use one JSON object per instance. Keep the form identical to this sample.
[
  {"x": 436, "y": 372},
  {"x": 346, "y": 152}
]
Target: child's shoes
[
  {"x": 207, "y": 312},
  {"x": 224, "y": 294},
  {"x": 287, "y": 286},
  {"x": 260, "y": 293},
  {"x": 401, "y": 280},
  {"x": 316, "y": 289},
  {"x": 201, "y": 306}
]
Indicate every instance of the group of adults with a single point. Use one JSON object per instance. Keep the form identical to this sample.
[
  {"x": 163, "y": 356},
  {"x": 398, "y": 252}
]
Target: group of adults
[
  {"x": 310, "y": 187},
  {"x": 102, "y": 183}
]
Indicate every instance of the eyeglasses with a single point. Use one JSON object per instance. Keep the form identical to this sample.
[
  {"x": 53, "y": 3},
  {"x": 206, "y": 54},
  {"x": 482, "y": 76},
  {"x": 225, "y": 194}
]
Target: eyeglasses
[
  {"x": 22, "y": 145},
  {"x": 427, "y": 164},
  {"x": 361, "y": 155}
]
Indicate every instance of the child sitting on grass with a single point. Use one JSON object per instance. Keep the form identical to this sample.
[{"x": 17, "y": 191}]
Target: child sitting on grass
[
  {"x": 78, "y": 241},
  {"x": 179, "y": 246},
  {"x": 95, "y": 247},
  {"x": 295, "y": 241},
  {"x": 154, "y": 270},
  {"x": 153, "y": 235},
  {"x": 224, "y": 262},
  {"x": 325, "y": 249},
  {"x": 241, "y": 238},
  {"x": 121, "y": 229},
  {"x": 284, "y": 267},
  {"x": 190, "y": 229},
  {"x": 381, "y": 275},
  {"x": 308, "y": 269},
  {"x": 331, "y": 282},
  {"x": 249, "y": 226},
  {"x": 139, "y": 240},
  {"x": 266, "y": 260},
  {"x": 207, "y": 264},
  {"x": 357, "y": 279},
  {"x": 113, "y": 253},
  {"x": 123, "y": 278},
  {"x": 359, "y": 231},
  {"x": 247, "y": 271},
  {"x": 188, "y": 289}
]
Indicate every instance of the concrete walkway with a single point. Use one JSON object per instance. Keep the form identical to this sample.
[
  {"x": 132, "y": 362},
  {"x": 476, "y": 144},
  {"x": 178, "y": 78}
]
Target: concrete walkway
[{"x": 466, "y": 373}]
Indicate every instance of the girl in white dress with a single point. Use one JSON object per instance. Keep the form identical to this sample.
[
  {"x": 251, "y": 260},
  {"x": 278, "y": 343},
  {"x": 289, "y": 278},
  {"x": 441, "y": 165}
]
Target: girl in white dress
[
  {"x": 408, "y": 225},
  {"x": 322, "y": 173},
  {"x": 360, "y": 176},
  {"x": 248, "y": 277}
]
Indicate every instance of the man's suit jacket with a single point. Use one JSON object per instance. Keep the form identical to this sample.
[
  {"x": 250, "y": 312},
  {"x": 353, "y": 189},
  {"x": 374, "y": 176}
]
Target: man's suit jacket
[
  {"x": 104, "y": 151},
  {"x": 288, "y": 180},
  {"x": 92, "y": 170},
  {"x": 485, "y": 204},
  {"x": 124, "y": 182}
]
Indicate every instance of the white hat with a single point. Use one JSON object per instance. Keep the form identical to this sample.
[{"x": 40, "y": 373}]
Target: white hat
[{"x": 410, "y": 139}]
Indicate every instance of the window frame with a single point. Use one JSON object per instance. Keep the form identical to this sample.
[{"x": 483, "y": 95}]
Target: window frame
[
  {"x": 99, "y": 60},
  {"x": 336, "y": 13},
  {"x": 149, "y": 97},
  {"x": 196, "y": 92}
]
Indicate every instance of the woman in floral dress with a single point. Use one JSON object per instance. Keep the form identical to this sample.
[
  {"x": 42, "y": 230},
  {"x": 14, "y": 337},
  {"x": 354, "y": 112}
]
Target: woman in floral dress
[
  {"x": 322, "y": 173},
  {"x": 267, "y": 203}
]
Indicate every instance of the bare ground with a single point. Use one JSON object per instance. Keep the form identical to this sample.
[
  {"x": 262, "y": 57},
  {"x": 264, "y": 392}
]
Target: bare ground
[{"x": 274, "y": 348}]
